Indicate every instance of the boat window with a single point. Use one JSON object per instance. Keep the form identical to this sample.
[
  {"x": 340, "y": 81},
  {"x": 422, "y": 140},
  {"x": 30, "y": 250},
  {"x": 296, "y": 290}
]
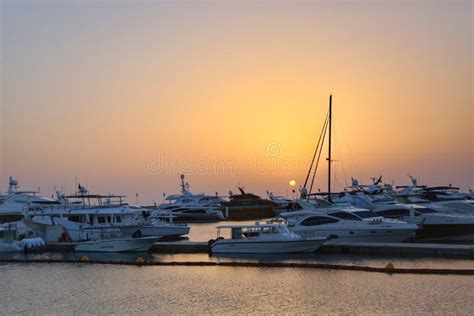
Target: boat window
[
  {"x": 345, "y": 215},
  {"x": 425, "y": 210},
  {"x": 47, "y": 202},
  {"x": 365, "y": 214},
  {"x": 318, "y": 220},
  {"x": 195, "y": 212},
  {"x": 251, "y": 232},
  {"x": 101, "y": 219},
  {"x": 2, "y": 234},
  {"x": 236, "y": 233},
  {"x": 75, "y": 218},
  {"x": 268, "y": 230},
  {"x": 170, "y": 207},
  {"x": 283, "y": 229},
  {"x": 394, "y": 213},
  {"x": 118, "y": 219}
]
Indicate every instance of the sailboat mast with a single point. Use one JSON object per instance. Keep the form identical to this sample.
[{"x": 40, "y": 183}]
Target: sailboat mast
[{"x": 329, "y": 149}]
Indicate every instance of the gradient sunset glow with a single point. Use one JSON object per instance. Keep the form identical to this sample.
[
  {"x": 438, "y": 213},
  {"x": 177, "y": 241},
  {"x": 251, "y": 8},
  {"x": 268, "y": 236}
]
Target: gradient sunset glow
[{"x": 126, "y": 95}]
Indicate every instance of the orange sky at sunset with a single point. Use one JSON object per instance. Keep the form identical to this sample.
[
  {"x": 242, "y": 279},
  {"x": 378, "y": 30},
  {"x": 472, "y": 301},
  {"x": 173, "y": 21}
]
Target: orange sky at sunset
[{"x": 127, "y": 95}]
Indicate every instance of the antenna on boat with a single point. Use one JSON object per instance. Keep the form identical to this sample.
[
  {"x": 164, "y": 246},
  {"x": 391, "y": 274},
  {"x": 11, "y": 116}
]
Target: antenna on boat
[
  {"x": 75, "y": 183},
  {"x": 183, "y": 185},
  {"x": 12, "y": 184},
  {"x": 329, "y": 148}
]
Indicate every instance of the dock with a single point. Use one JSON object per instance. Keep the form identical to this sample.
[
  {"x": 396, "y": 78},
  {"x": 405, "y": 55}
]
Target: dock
[
  {"x": 402, "y": 249},
  {"x": 356, "y": 248}
]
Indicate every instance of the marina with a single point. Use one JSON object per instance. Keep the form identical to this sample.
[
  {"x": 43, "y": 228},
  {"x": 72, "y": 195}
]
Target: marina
[{"x": 236, "y": 158}]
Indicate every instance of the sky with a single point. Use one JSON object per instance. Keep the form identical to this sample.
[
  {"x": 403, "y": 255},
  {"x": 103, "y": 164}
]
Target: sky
[{"x": 124, "y": 96}]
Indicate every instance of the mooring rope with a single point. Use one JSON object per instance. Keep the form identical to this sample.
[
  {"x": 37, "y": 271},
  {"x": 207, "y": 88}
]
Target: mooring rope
[{"x": 140, "y": 262}]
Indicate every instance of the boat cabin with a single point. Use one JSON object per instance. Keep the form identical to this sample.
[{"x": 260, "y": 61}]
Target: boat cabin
[
  {"x": 94, "y": 200},
  {"x": 252, "y": 231},
  {"x": 400, "y": 211},
  {"x": 353, "y": 214}
]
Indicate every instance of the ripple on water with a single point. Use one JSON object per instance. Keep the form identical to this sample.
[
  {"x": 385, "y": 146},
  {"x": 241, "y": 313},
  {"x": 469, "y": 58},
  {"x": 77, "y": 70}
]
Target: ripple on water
[{"x": 69, "y": 288}]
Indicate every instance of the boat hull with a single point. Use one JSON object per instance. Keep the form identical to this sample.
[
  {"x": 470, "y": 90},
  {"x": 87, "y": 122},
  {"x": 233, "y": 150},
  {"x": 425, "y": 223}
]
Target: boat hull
[
  {"x": 261, "y": 247},
  {"x": 80, "y": 232},
  {"x": 158, "y": 231},
  {"x": 444, "y": 227},
  {"x": 455, "y": 232},
  {"x": 117, "y": 245},
  {"x": 360, "y": 235},
  {"x": 10, "y": 247}
]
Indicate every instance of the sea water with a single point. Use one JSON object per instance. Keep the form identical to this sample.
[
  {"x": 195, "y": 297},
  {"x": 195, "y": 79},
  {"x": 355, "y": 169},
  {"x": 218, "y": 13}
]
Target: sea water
[
  {"x": 112, "y": 289},
  {"x": 65, "y": 288}
]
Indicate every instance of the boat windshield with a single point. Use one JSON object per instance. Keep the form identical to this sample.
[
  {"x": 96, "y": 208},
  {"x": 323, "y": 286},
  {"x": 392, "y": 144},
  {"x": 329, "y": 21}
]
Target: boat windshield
[
  {"x": 249, "y": 232},
  {"x": 345, "y": 215},
  {"x": 425, "y": 210},
  {"x": 269, "y": 229},
  {"x": 282, "y": 229},
  {"x": 366, "y": 214}
]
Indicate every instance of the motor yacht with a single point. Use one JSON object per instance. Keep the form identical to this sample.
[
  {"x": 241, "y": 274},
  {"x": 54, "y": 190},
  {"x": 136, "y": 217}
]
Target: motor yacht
[
  {"x": 189, "y": 207},
  {"x": 446, "y": 199},
  {"x": 262, "y": 238},
  {"x": 102, "y": 217},
  {"x": 15, "y": 200},
  {"x": 247, "y": 206},
  {"x": 445, "y": 205},
  {"x": 434, "y": 225},
  {"x": 348, "y": 225}
]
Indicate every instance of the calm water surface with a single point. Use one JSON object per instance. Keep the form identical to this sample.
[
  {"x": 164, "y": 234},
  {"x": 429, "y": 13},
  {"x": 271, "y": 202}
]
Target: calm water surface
[
  {"x": 46, "y": 289},
  {"x": 86, "y": 289}
]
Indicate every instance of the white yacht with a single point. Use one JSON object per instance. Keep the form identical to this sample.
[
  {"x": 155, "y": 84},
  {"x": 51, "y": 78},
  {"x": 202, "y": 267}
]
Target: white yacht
[
  {"x": 15, "y": 200},
  {"x": 189, "y": 207},
  {"x": 262, "y": 238},
  {"x": 103, "y": 216},
  {"x": 447, "y": 205},
  {"x": 446, "y": 199},
  {"x": 347, "y": 225},
  {"x": 434, "y": 225}
]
